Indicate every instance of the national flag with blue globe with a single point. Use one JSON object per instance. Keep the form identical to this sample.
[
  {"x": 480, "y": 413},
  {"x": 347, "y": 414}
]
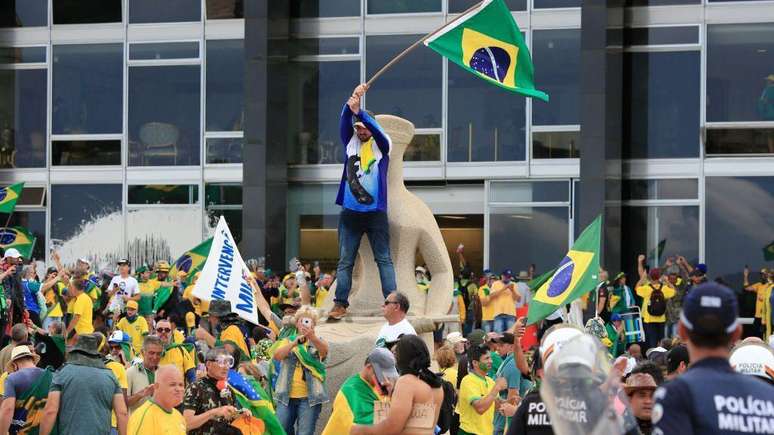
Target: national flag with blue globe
[{"x": 577, "y": 274}]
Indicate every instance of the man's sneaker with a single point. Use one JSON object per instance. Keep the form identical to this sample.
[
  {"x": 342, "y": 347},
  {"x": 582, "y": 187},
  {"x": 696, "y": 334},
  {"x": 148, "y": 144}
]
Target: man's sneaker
[{"x": 337, "y": 313}]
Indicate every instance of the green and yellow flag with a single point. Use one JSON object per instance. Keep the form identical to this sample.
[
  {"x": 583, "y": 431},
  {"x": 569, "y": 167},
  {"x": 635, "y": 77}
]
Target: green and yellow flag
[
  {"x": 768, "y": 252},
  {"x": 314, "y": 365},
  {"x": 191, "y": 261},
  {"x": 576, "y": 275},
  {"x": 487, "y": 42},
  {"x": 354, "y": 404},
  {"x": 8, "y": 197},
  {"x": 19, "y": 238}
]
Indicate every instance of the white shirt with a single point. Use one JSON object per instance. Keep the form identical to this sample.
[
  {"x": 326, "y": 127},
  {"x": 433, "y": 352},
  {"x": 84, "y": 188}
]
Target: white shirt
[
  {"x": 126, "y": 286},
  {"x": 526, "y": 294},
  {"x": 391, "y": 333}
]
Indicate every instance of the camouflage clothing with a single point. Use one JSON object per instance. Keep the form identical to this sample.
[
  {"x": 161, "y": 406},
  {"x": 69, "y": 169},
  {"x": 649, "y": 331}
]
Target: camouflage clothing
[
  {"x": 675, "y": 304},
  {"x": 202, "y": 396}
]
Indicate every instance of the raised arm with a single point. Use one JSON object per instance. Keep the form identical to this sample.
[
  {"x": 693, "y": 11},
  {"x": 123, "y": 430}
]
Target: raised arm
[
  {"x": 345, "y": 124},
  {"x": 380, "y": 137}
]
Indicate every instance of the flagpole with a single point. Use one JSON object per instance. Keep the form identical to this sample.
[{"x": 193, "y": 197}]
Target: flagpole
[{"x": 414, "y": 45}]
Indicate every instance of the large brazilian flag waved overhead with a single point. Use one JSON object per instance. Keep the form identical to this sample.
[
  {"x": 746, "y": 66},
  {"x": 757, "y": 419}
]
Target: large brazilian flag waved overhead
[
  {"x": 191, "y": 261},
  {"x": 576, "y": 275},
  {"x": 8, "y": 197},
  {"x": 487, "y": 42},
  {"x": 19, "y": 238}
]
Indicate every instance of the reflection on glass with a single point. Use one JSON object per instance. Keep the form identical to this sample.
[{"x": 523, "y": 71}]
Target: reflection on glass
[
  {"x": 10, "y": 55},
  {"x": 661, "y": 105},
  {"x": 524, "y": 191},
  {"x": 555, "y": 144},
  {"x": 23, "y": 118},
  {"x": 486, "y": 123},
  {"x": 403, "y": 6},
  {"x": 32, "y": 196},
  {"x": 542, "y": 233},
  {"x": 738, "y": 225},
  {"x": 164, "y": 125},
  {"x": 746, "y": 91},
  {"x": 233, "y": 218},
  {"x": 224, "y": 9},
  {"x": 660, "y": 2},
  {"x": 35, "y": 223},
  {"x": 225, "y": 85},
  {"x": 312, "y": 218},
  {"x": 222, "y": 194},
  {"x": 75, "y": 207},
  {"x": 412, "y": 88},
  {"x": 164, "y": 50},
  {"x": 164, "y": 194},
  {"x": 86, "y": 11},
  {"x": 321, "y": 46},
  {"x": 167, "y": 11},
  {"x": 556, "y": 55},
  {"x": 23, "y": 13},
  {"x": 661, "y": 35},
  {"x": 423, "y": 148},
  {"x": 671, "y": 188},
  {"x": 224, "y": 150},
  {"x": 740, "y": 141},
  {"x": 87, "y": 89},
  {"x": 545, "y": 4},
  {"x": 324, "y": 8},
  {"x": 86, "y": 152},
  {"x": 459, "y": 6},
  {"x": 659, "y": 233},
  {"x": 318, "y": 92}
]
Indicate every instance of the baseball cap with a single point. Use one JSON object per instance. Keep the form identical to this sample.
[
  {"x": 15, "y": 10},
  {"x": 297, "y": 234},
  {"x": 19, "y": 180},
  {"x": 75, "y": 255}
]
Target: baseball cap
[
  {"x": 476, "y": 337},
  {"x": 11, "y": 253},
  {"x": 132, "y": 305},
  {"x": 702, "y": 268},
  {"x": 84, "y": 261},
  {"x": 675, "y": 356},
  {"x": 507, "y": 272},
  {"x": 383, "y": 362},
  {"x": 506, "y": 338},
  {"x": 639, "y": 381},
  {"x": 124, "y": 261},
  {"x": 710, "y": 309},
  {"x": 455, "y": 337}
]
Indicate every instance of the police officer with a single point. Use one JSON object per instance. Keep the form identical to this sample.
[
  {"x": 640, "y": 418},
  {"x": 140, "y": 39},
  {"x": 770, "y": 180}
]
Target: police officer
[
  {"x": 531, "y": 417},
  {"x": 710, "y": 397}
]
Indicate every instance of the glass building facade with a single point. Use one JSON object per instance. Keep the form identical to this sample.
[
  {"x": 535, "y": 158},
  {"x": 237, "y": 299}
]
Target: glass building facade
[{"x": 126, "y": 121}]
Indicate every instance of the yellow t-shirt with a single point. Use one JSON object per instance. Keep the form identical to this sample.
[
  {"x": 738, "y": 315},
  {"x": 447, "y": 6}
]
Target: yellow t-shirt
[
  {"x": 760, "y": 298},
  {"x": 450, "y": 375},
  {"x": 200, "y": 306},
  {"x": 298, "y": 388},
  {"x": 150, "y": 418},
  {"x": 319, "y": 297},
  {"x": 234, "y": 334},
  {"x": 119, "y": 371},
  {"x": 487, "y": 311},
  {"x": 146, "y": 288},
  {"x": 503, "y": 303},
  {"x": 644, "y": 291},
  {"x": 179, "y": 357},
  {"x": 51, "y": 299},
  {"x": 137, "y": 330},
  {"x": 82, "y": 305},
  {"x": 178, "y": 337},
  {"x": 472, "y": 388}
]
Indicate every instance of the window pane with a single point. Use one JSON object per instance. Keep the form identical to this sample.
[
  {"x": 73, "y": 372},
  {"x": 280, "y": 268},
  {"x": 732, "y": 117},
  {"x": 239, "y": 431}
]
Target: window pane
[
  {"x": 660, "y": 2},
  {"x": 542, "y": 191},
  {"x": 556, "y": 56},
  {"x": 165, "y": 50},
  {"x": 661, "y": 35},
  {"x": 222, "y": 194},
  {"x": 740, "y": 141},
  {"x": 10, "y": 55},
  {"x": 543, "y": 4},
  {"x": 660, "y": 189},
  {"x": 458, "y": 6},
  {"x": 225, "y": 85},
  {"x": 23, "y": 13},
  {"x": 659, "y": 233},
  {"x": 32, "y": 196},
  {"x": 87, "y": 89},
  {"x": 224, "y": 9},
  {"x": 35, "y": 223},
  {"x": 555, "y": 145},
  {"x": 412, "y": 88},
  {"x": 167, "y": 11},
  {"x": 746, "y": 91},
  {"x": 164, "y": 125},
  {"x": 86, "y": 152},
  {"x": 318, "y": 46},
  {"x": 23, "y": 118},
  {"x": 403, "y": 6},
  {"x": 423, "y": 148},
  {"x": 661, "y": 105},
  {"x": 164, "y": 194},
  {"x": 542, "y": 237},
  {"x": 86, "y": 221},
  {"x": 318, "y": 92},
  {"x": 324, "y": 8},
  {"x": 738, "y": 225},
  {"x": 233, "y": 219},
  {"x": 224, "y": 150},
  {"x": 86, "y": 11},
  {"x": 155, "y": 233},
  {"x": 494, "y": 131}
]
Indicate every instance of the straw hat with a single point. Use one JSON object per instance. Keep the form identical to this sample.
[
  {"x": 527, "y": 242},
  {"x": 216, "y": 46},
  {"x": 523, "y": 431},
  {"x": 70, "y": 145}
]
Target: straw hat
[{"x": 18, "y": 353}]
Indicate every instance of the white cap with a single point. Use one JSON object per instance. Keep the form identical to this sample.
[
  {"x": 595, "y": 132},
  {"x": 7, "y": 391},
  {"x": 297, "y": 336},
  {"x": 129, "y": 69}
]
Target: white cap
[
  {"x": 654, "y": 349},
  {"x": 12, "y": 253},
  {"x": 455, "y": 337},
  {"x": 554, "y": 340},
  {"x": 83, "y": 260},
  {"x": 753, "y": 359}
]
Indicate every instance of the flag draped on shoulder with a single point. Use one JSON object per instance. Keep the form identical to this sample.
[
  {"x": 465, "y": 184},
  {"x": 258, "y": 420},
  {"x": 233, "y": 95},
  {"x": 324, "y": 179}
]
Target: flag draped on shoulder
[
  {"x": 576, "y": 275},
  {"x": 250, "y": 395},
  {"x": 301, "y": 351},
  {"x": 191, "y": 261},
  {"x": 487, "y": 42},
  {"x": 8, "y": 197},
  {"x": 19, "y": 238}
]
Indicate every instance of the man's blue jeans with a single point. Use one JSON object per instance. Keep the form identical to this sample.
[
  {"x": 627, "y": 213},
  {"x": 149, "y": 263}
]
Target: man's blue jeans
[
  {"x": 352, "y": 226},
  {"x": 298, "y": 411},
  {"x": 503, "y": 323}
]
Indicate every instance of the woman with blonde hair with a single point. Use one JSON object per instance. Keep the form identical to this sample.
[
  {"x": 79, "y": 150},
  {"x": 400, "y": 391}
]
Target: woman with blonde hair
[{"x": 447, "y": 362}]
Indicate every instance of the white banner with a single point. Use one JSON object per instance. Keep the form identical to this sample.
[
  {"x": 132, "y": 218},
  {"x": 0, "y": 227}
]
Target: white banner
[{"x": 223, "y": 276}]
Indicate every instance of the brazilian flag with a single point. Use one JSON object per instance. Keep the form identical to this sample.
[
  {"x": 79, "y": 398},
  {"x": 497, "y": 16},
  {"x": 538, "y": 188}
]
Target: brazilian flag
[
  {"x": 250, "y": 395},
  {"x": 191, "y": 261},
  {"x": 19, "y": 238},
  {"x": 576, "y": 275},
  {"x": 487, "y": 42},
  {"x": 8, "y": 197}
]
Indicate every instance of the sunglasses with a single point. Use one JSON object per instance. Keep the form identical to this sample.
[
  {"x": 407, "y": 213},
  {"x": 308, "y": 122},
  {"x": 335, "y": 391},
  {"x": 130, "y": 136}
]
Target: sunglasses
[
  {"x": 224, "y": 360},
  {"x": 388, "y": 303},
  {"x": 115, "y": 347},
  {"x": 163, "y": 330}
]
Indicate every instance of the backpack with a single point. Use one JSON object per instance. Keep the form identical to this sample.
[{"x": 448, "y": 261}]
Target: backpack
[
  {"x": 448, "y": 404},
  {"x": 657, "y": 306}
]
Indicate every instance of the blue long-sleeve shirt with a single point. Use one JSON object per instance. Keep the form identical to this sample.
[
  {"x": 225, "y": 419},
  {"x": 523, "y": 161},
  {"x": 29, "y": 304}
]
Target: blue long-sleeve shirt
[{"x": 363, "y": 186}]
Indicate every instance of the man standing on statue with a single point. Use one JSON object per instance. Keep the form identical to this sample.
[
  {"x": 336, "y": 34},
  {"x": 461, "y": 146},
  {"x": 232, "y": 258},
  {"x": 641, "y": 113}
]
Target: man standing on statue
[{"x": 363, "y": 198}]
